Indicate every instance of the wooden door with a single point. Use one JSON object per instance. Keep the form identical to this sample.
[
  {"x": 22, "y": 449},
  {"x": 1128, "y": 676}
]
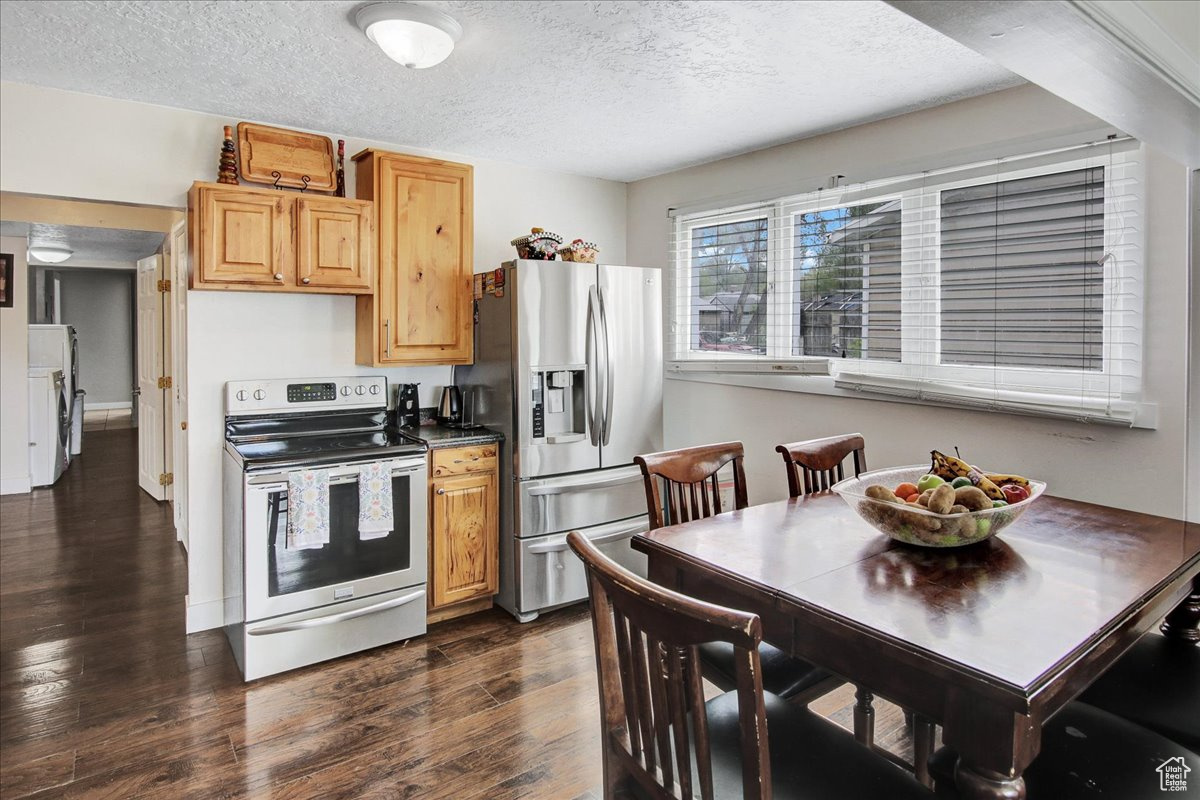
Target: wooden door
[
  {"x": 178, "y": 298},
  {"x": 151, "y": 396},
  {"x": 244, "y": 238},
  {"x": 334, "y": 243},
  {"x": 465, "y": 538},
  {"x": 425, "y": 263}
]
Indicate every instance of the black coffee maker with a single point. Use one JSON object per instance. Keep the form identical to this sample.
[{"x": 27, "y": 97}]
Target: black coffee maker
[{"x": 408, "y": 406}]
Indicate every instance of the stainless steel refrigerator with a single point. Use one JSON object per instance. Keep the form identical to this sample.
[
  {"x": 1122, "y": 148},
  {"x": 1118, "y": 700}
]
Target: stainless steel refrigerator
[{"x": 568, "y": 366}]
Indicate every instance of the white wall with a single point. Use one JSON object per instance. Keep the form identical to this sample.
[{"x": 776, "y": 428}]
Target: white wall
[
  {"x": 138, "y": 153},
  {"x": 99, "y": 303},
  {"x": 14, "y": 372},
  {"x": 1136, "y": 469}
]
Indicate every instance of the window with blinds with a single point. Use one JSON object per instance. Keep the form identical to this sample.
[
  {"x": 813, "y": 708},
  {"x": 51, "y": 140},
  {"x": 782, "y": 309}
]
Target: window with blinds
[
  {"x": 846, "y": 282},
  {"x": 1022, "y": 283},
  {"x": 729, "y": 287},
  {"x": 1013, "y": 285}
]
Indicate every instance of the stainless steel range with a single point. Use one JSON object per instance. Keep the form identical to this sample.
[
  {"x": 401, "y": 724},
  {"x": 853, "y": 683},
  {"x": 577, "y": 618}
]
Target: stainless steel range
[{"x": 312, "y": 577}]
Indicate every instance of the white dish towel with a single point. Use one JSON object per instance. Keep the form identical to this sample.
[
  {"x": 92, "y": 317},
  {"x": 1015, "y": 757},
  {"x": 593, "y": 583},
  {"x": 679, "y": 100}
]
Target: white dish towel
[
  {"x": 375, "y": 500},
  {"x": 308, "y": 509}
]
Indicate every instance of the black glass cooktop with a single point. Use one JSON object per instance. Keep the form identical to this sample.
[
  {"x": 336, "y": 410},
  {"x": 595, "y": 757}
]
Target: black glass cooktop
[{"x": 303, "y": 450}]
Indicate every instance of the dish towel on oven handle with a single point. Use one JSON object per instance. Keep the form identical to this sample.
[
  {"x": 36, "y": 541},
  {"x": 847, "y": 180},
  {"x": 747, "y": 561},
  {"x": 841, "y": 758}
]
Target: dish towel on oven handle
[
  {"x": 375, "y": 500},
  {"x": 308, "y": 509}
]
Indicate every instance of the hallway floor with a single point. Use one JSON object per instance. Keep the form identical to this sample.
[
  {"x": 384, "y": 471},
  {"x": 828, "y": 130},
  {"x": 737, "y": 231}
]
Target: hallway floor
[
  {"x": 107, "y": 419},
  {"x": 103, "y": 696}
]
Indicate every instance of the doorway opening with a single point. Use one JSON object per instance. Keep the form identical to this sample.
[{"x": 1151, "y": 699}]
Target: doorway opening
[{"x": 100, "y": 278}]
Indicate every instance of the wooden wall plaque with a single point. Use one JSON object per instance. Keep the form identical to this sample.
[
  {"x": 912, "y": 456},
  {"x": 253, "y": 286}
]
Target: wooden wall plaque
[{"x": 293, "y": 154}]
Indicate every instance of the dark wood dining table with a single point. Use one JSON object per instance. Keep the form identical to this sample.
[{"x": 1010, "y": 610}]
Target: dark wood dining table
[{"x": 988, "y": 640}]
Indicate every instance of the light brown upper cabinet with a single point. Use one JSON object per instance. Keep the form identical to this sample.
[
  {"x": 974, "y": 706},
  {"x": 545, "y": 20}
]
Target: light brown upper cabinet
[
  {"x": 421, "y": 310},
  {"x": 333, "y": 242},
  {"x": 268, "y": 240}
]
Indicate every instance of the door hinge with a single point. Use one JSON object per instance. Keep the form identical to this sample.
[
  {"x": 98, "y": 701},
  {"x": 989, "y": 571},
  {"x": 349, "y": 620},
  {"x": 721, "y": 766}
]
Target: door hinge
[
  {"x": 164, "y": 383},
  {"x": 164, "y": 285},
  {"x": 166, "y": 479}
]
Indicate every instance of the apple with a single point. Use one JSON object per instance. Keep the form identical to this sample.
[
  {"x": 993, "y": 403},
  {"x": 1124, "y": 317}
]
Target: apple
[
  {"x": 1014, "y": 494},
  {"x": 926, "y": 482}
]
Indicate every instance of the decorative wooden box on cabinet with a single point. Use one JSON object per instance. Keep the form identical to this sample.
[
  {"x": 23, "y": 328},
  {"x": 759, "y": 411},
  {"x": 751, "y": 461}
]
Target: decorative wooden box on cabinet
[
  {"x": 464, "y": 531},
  {"x": 421, "y": 310},
  {"x": 268, "y": 240}
]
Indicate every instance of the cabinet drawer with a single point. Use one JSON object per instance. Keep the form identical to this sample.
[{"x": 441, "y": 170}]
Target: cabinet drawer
[{"x": 459, "y": 460}]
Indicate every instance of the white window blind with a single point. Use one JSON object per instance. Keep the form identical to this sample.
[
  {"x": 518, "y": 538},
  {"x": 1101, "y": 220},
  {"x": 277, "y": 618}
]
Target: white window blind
[{"x": 1013, "y": 285}]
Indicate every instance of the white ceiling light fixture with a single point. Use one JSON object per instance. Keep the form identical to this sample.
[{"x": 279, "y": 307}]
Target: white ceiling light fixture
[
  {"x": 50, "y": 254},
  {"x": 416, "y": 36}
]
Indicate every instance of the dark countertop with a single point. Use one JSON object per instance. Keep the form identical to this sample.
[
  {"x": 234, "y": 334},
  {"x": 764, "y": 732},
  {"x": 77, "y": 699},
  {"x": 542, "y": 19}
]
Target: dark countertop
[{"x": 435, "y": 436}]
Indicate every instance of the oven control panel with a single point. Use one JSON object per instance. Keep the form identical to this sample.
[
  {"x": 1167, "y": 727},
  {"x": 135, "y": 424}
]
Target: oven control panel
[
  {"x": 284, "y": 395},
  {"x": 311, "y": 392}
]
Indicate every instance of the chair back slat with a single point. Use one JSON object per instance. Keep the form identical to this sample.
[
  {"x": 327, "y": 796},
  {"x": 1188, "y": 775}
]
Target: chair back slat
[
  {"x": 688, "y": 480},
  {"x": 677, "y": 684},
  {"x": 658, "y": 704},
  {"x": 651, "y": 693},
  {"x": 628, "y": 690},
  {"x": 815, "y": 465},
  {"x": 699, "y": 724}
]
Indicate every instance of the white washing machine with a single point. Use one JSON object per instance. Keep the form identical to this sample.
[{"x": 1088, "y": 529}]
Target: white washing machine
[
  {"x": 49, "y": 425},
  {"x": 57, "y": 347}
]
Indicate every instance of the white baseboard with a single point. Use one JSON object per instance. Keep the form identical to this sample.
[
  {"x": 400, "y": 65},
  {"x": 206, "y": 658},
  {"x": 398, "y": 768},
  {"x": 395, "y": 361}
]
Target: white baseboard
[
  {"x": 15, "y": 486},
  {"x": 88, "y": 405},
  {"x": 205, "y": 616}
]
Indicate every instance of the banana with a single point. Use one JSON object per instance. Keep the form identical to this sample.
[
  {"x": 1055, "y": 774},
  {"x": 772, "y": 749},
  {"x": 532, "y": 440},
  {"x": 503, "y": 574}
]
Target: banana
[
  {"x": 948, "y": 468},
  {"x": 1003, "y": 480}
]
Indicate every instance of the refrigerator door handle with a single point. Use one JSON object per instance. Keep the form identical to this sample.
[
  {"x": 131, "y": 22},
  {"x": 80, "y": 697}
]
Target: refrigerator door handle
[
  {"x": 609, "y": 378},
  {"x": 592, "y": 393}
]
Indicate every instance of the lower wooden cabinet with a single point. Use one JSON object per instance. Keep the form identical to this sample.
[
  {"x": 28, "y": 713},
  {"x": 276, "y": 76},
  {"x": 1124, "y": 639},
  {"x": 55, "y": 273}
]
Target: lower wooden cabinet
[{"x": 464, "y": 531}]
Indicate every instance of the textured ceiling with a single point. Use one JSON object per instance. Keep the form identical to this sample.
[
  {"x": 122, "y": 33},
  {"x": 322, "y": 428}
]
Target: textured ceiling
[
  {"x": 619, "y": 90},
  {"x": 89, "y": 245}
]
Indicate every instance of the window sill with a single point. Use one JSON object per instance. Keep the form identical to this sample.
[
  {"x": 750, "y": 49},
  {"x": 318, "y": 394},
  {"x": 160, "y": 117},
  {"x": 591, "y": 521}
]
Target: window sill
[{"x": 1147, "y": 416}]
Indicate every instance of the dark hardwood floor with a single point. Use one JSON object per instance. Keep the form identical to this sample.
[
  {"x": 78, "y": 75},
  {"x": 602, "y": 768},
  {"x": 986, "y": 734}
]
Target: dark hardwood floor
[{"x": 102, "y": 695}]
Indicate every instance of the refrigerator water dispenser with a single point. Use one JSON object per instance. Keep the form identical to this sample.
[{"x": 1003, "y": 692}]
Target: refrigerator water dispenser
[{"x": 557, "y": 405}]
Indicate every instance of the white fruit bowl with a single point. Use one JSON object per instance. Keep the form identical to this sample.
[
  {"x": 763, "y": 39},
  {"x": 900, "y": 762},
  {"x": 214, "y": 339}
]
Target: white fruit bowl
[{"x": 920, "y": 526}]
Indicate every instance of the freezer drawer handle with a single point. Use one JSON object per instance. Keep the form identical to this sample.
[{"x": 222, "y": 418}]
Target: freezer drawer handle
[
  {"x": 605, "y": 539},
  {"x": 395, "y": 602},
  {"x": 604, "y": 484}
]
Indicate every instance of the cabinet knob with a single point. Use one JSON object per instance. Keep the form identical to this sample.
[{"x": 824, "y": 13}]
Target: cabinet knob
[
  {"x": 278, "y": 276},
  {"x": 441, "y": 491},
  {"x": 306, "y": 280}
]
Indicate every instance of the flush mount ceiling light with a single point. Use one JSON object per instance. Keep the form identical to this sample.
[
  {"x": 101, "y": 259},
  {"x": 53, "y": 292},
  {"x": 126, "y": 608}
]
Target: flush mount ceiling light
[
  {"x": 415, "y": 36},
  {"x": 50, "y": 254}
]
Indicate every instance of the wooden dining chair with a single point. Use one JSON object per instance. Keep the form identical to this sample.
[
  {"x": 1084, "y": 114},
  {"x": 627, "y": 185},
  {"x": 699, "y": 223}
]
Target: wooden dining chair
[
  {"x": 661, "y": 740},
  {"x": 689, "y": 482},
  {"x": 813, "y": 466},
  {"x": 1157, "y": 685},
  {"x": 682, "y": 485},
  {"x": 816, "y": 464}
]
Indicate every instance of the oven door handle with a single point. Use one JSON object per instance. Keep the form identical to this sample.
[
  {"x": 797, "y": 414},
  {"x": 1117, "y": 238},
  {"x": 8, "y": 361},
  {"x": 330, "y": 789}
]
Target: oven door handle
[
  {"x": 280, "y": 479},
  {"x": 317, "y": 622}
]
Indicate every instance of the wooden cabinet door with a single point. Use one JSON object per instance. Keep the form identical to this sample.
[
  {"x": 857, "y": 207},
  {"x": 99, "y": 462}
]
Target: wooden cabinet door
[
  {"x": 465, "y": 538},
  {"x": 333, "y": 243},
  {"x": 244, "y": 238},
  {"x": 425, "y": 233}
]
